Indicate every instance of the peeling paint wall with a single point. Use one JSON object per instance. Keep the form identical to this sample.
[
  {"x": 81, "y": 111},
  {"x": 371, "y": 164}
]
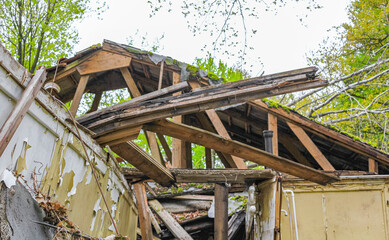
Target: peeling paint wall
[
  {"x": 354, "y": 208},
  {"x": 45, "y": 150}
]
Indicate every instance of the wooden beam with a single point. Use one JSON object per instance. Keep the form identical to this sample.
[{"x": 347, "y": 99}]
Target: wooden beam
[
  {"x": 278, "y": 206},
  {"x": 160, "y": 76},
  {"x": 135, "y": 155},
  {"x": 165, "y": 146},
  {"x": 208, "y": 158},
  {"x": 311, "y": 147},
  {"x": 373, "y": 166},
  {"x": 272, "y": 125},
  {"x": 221, "y": 212},
  {"x": 130, "y": 82},
  {"x": 19, "y": 111},
  {"x": 143, "y": 211},
  {"x": 211, "y": 140},
  {"x": 233, "y": 176},
  {"x": 173, "y": 226},
  {"x": 324, "y": 132},
  {"x": 78, "y": 95},
  {"x": 196, "y": 101},
  {"x": 96, "y": 102},
  {"x": 103, "y": 61},
  {"x": 124, "y": 135},
  {"x": 154, "y": 147},
  {"x": 178, "y": 154}
]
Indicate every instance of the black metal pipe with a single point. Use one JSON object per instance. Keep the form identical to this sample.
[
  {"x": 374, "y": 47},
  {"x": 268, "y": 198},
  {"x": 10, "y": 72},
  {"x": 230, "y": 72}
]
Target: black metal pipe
[{"x": 268, "y": 137}]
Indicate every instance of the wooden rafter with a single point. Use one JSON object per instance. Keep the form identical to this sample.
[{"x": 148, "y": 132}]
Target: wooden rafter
[
  {"x": 311, "y": 147},
  {"x": 135, "y": 155},
  {"x": 272, "y": 125},
  {"x": 324, "y": 132},
  {"x": 78, "y": 95},
  {"x": 165, "y": 146},
  {"x": 214, "y": 141}
]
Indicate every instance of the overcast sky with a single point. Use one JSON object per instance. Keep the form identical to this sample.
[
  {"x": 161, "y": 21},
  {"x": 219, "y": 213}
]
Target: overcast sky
[{"x": 281, "y": 43}]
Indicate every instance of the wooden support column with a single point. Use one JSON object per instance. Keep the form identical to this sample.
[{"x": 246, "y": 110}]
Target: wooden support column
[
  {"x": 143, "y": 210},
  {"x": 178, "y": 153},
  {"x": 96, "y": 102},
  {"x": 208, "y": 158},
  {"x": 373, "y": 166},
  {"x": 154, "y": 147},
  {"x": 272, "y": 125},
  {"x": 133, "y": 89},
  {"x": 278, "y": 205},
  {"x": 311, "y": 147},
  {"x": 19, "y": 111},
  {"x": 165, "y": 146},
  {"x": 78, "y": 95},
  {"x": 221, "y": 212}
]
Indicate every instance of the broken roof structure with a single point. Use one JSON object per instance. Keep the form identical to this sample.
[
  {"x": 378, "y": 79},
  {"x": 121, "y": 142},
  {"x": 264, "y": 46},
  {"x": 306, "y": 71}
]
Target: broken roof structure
[{"x": 171, "y": 98}]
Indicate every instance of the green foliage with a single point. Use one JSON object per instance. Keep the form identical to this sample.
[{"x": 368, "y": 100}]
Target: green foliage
[
  {"x": 356, "y": 65},
  {"x": 38, "y": 32}
]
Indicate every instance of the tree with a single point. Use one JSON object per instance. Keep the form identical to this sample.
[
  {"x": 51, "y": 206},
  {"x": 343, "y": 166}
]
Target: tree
[
  {"x": 38, "y": 32},
  {"x": 356, "y": 64}
]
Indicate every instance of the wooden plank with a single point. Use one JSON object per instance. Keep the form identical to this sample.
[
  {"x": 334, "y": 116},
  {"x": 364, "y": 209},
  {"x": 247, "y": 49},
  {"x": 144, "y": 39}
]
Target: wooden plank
[
  {"x": 19, "y": 111},
  {"x": 103, "y": 61},
  {"x": 373, "y": 166},
  {"x": 155, "y": 223},
  {"x": 195, "y": 101},
  {"x": 135, "y": 155},
  {"x": 324, "y": 132},
  {"x": 272, "y": 125},
  {"x": 278, "y": 206},
  {"x": 78, "y": 95},
  {"x": 124, "y": 135},
  {"x": 235, "y": 223},
  {"x": 130, "y": 82},
  {"x": 173, "y": 226},
  {"x": 165, "y": 146},
  {"x": 221, "y": 212},
  {"x": 311, "y": 147},
  {"x": 138, "y": 231},
  {"x": 96, "y": 102},
  {"x": 208, "y": 158},
  {"x": 178, "y": 154},
  {"x": 143, "y": 211},
  {"x": 160, "y": 76},
  {"x": 195, "y": 197},
  {"x": 214, "y": 141},
  {"x": 154, "y": 147}
]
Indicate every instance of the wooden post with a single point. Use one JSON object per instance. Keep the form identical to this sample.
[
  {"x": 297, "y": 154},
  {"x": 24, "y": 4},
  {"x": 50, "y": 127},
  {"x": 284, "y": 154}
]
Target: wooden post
[
  {"x": 16, "y": 116},
  {"x": 373, "y": 166},
  {"x": 143, "y": 210},
  {"x": 160, "y": 76},
  {"x": 96, "y": 101},
  {"x": 221, "y": 212},
  {"x": 165, "y": 146},
  {"x": 278, "y": 205},
  {"x": 208, "y": 158},
  {"x": 272, "y": 125},
  {"x": 78, "y": 95},
  {"x": 178, "y": 153}
]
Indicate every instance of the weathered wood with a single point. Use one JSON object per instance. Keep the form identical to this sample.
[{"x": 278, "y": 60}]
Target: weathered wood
[
  {"x": 130, "y": 82},
  {"x": 135, "y": 155},
  {"x": 16, "y": 116},
  {"x": 233, "y": 176},
  {"x": 78, "y": 95},
  {"x": 373, "y": 166},
  {"x": 211, "y": 140},
  {"x": 272, "y": 125},
  {"x": 143, "y": 211},
  {"x": 178, "y": 154},
  {"x": 173, "y": 226},
  {"x": 103, "y": 61},
  {"x": 165, "y": 146},
  {"x": 124, "y": 135},
  {"x": 96, "y": 102},
  {"x": 154, "y": 147},
  {"x": 220, "y": 129},
  {"x": 311, "y": 147},
  {"x": 221, "y": 212},
  {"x": 235, "y": 224},
  {"x": 208, "y": 158},
  {"x": 196, "y": 101},
  {"x": 278, "y": 205},
  {"x": 139, "y": 232},
  {"x": 324, "y": 132},
  {"x": 160, "y": 76},
  {"x": 155, "y": 223},
  {"x": 195, "y": 197}
]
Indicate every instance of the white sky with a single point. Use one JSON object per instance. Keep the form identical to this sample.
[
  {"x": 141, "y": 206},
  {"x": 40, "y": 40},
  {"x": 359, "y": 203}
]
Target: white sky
[{"x": 282, "y": 42}]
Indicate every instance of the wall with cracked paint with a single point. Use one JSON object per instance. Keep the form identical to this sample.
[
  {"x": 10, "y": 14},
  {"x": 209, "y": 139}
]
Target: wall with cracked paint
[
  {"x": 357, "y": 207},
  {"x": 45, "y": 150}
]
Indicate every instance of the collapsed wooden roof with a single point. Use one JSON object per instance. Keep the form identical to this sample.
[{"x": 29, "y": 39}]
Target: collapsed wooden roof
[{"x": 228, "y": 118}]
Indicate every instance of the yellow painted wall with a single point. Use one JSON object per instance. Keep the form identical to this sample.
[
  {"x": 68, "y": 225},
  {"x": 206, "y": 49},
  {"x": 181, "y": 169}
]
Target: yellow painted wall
[{"x": 354, "y": 208}]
